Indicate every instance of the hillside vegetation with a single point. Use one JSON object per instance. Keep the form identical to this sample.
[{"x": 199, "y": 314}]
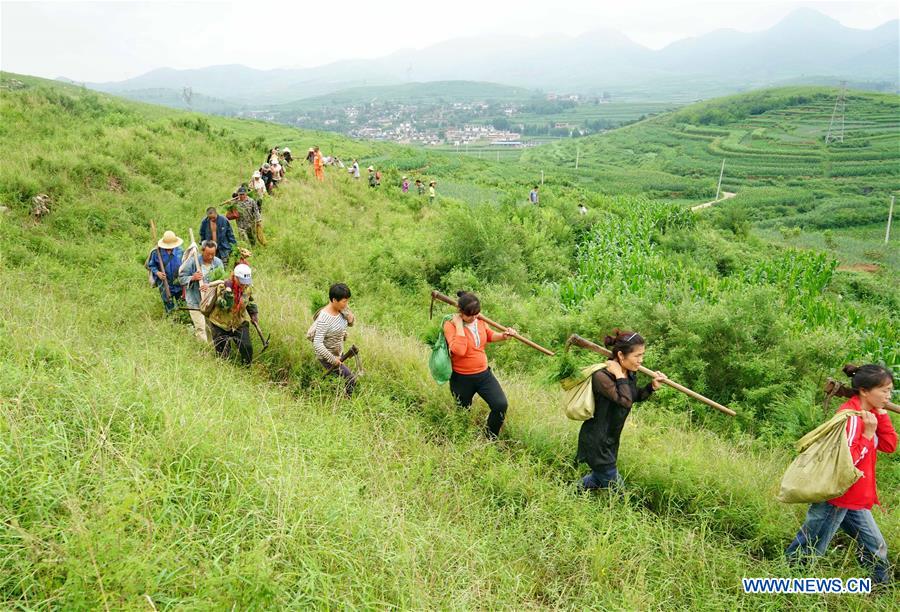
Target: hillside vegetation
[
  {"x": 137, "y": 470},
  {"x": 776, "y": 159}
]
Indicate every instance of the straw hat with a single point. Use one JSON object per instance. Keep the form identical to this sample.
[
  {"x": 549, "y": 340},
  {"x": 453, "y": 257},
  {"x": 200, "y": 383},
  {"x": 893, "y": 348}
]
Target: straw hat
[
  {"x": 370, "y": 169},
  {"x": 169, "y": 240}
]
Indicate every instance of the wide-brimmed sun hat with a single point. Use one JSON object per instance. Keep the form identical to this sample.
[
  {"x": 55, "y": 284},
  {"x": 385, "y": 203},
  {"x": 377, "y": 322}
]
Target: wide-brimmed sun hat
[{"x": 169, "y": 240}]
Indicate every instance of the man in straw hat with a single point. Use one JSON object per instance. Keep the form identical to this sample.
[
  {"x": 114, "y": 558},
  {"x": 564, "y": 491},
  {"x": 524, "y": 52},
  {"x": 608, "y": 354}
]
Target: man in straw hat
[{"x": 165, "y": 272}]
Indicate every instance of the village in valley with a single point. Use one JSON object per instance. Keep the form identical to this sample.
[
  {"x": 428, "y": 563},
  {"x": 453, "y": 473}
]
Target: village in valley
[{"x": 509, "y": 124}]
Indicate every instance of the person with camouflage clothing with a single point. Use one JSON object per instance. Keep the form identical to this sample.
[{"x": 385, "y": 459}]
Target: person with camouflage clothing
[{"x": 249, "y": 218}]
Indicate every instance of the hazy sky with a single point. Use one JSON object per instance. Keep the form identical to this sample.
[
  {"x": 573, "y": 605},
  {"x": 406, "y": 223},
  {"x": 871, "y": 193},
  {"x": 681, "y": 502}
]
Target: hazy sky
[{"x": 101, "y": 41}]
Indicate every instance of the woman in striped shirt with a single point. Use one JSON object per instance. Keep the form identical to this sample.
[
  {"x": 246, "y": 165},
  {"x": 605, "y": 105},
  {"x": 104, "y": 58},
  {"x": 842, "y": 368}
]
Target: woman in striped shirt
[{"x": 330, "y": 331}]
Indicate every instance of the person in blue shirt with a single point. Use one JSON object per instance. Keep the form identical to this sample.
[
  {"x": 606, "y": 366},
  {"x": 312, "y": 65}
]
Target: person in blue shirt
[
  {"x": 533, "y": 196},
  {"x": 216, "y": 227},
  {"x": 194, "y": 276},
  {"x": 165, "y": 272}
]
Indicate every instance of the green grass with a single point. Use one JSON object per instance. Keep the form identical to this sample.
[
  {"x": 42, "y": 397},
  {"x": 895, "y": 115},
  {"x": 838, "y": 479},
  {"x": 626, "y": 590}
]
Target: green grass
[{"x": 137, "y": 468}]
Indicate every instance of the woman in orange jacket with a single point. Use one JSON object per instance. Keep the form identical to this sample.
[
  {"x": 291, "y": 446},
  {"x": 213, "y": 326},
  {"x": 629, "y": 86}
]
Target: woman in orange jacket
[
  {"x": 466, "y": 338},
  {"x": 318, "y": 165}
]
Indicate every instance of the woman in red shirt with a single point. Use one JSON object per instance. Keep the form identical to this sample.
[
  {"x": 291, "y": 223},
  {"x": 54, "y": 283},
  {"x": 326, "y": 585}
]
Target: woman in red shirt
[
  {"x": 852, "y": 511},
  {"x": 466, "y": 338}
]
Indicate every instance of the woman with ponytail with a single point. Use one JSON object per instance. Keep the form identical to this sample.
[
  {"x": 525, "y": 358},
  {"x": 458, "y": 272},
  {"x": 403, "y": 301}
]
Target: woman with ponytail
[
  {"x": 615, "y": 390},
  {"x": 866, "y": 435},
  {"x": 466, "y": 338}
]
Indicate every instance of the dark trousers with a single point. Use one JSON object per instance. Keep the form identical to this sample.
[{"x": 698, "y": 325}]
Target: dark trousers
[
  {"x": 463, "y": 387},
  {"x": 167, "y": 303},
  {"x": 222, "y": 339},
  {"x": 344, "y": 372},
  {"x": 605, "y": 478}
]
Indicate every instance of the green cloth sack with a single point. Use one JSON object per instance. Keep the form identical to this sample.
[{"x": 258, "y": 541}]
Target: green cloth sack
[
  {"x": 578, "y": 395},
  {"x": 824, "y": 468},
  {"x": 439, "y": 362}
]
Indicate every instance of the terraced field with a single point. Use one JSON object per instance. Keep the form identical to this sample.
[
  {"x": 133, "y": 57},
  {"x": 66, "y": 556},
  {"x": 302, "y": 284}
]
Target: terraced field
[{"x": 776, "y": 160}]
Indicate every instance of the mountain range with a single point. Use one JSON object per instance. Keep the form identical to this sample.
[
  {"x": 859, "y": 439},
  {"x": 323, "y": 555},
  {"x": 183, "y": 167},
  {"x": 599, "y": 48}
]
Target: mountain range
[{"x": 805, "y": 44}]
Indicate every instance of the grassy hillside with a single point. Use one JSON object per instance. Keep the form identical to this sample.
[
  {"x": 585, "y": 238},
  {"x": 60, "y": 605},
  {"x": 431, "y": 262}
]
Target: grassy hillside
[{"x": 136, "y": 470}]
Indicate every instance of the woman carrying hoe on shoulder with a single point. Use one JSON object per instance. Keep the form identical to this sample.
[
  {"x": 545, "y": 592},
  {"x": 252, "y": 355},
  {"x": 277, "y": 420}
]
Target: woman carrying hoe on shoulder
[
  {"x": 466, "y": 338},
  {"x": 852, "y": 511},
  {"x": 615, "y": 390}
]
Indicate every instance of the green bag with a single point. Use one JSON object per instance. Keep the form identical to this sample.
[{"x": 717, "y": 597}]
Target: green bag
[
  {"x": 824, "y": 468},
  {"x": 439, "y": 362},
  {"x": 578, "y": 394}
]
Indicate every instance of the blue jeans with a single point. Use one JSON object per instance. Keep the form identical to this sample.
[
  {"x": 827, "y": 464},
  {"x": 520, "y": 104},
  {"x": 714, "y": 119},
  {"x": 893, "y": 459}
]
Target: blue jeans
[
  {"x": 602, "y": 479},
  {"x": 822, "y": 522}
]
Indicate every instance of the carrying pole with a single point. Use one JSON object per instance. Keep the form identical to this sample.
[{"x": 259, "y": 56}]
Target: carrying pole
[
  {"x": 162, "y": 265},
  {"x": 435, "y": 295},
  {"x": 587, "y": 344}
]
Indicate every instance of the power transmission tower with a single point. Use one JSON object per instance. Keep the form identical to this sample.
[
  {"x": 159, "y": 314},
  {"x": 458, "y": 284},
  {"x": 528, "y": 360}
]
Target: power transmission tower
[
  {"x": 187, "y": 95},
  {"x": 836, "y": 127}
]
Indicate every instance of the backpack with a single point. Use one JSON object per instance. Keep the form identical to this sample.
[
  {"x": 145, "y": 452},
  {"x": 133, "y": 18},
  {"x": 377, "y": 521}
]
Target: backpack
[
  {"x": 578, "y": 394},
  {"x": 311, "y": 332},
  {"x": 824, "y": 468},
  {"x": 439, "y": 362},
  {"x": 208, "y": 299}
]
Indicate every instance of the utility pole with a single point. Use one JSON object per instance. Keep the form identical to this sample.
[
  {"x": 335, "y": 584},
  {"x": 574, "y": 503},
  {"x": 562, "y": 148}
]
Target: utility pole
[
  {"x": 542, "y": 177},
  {"x": 721, "y": 173},
  {"x": 887, "y": 233},
  {"x": 577, "y": 154},
  {"x": 837, "y": 122}
]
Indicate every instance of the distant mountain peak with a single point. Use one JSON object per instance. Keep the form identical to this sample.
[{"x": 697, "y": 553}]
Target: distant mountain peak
[{"x": 806, "y": 18}]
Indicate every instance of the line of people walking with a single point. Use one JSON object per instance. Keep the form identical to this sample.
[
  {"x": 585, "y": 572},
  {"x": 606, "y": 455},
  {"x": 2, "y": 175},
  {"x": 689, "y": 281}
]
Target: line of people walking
[{"x": 222, "y": 309}]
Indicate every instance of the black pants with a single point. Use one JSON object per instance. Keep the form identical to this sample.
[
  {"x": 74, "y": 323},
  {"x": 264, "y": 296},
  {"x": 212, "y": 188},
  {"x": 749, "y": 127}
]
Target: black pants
[
  {"x": 222, "y": 339},
  {"x": 463, "y": 387}
]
